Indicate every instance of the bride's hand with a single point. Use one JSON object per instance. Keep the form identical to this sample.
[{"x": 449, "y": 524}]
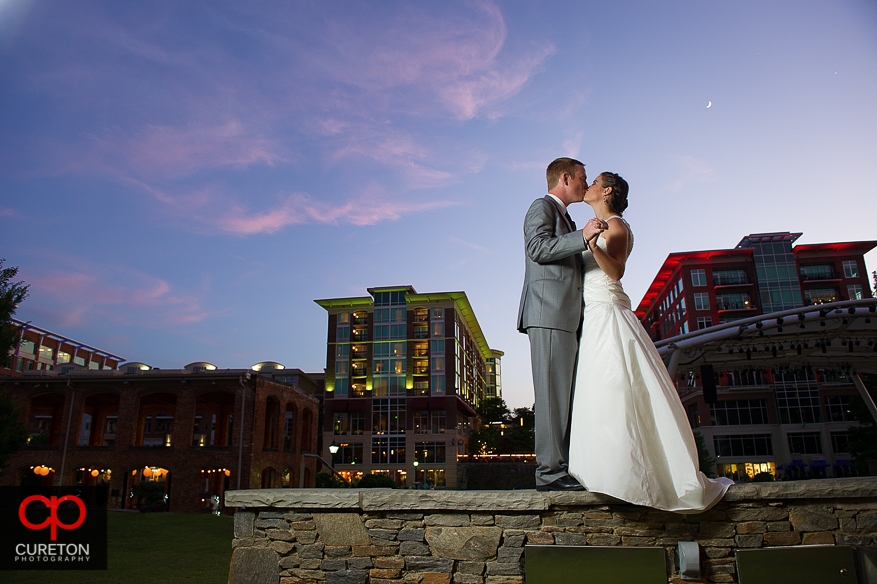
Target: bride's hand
[{"x": 592, "y": 229}]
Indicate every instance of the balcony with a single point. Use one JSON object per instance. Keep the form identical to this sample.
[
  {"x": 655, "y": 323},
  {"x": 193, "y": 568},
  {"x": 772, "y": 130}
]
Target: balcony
[
  {"x": 421, "y": 332},
  {"x": 360, "y": 320},
  {"x": 824, "y": 276},
  {"x": 734, "y": 306},
  {"x": 421, "y": 368},
  {"x": 359, "y": 336},
  {"x": 421, "y": 317},
  {"x": 358, "y": 371},
  {"x": 719, "y": 281}
]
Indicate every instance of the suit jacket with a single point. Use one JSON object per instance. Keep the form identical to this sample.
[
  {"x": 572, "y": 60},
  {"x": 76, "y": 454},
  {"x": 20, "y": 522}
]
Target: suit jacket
[{"x": 552, "y": 294}]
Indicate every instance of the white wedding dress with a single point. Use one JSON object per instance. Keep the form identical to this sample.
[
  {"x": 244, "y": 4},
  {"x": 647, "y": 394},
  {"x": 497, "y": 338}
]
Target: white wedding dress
[{"x": 630, "y": 438}]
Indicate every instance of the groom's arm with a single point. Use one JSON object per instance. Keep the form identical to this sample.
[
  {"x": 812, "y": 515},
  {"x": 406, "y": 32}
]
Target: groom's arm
[{"x": 543, "y": 245}]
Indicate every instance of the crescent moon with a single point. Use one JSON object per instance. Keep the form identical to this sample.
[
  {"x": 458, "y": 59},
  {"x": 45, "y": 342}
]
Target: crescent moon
[{"x": 709, "y": 105}]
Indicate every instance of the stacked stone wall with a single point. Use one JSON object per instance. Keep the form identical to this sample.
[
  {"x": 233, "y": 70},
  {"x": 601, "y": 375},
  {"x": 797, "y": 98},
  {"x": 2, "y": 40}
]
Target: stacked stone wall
[{"x": 415, "y": 537}]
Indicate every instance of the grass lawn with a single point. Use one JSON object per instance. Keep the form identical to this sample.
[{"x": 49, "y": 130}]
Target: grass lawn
[{"x": 159, "y": 548}]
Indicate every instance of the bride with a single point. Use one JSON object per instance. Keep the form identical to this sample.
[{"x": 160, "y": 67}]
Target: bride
[{"x": 630, "y": 438}]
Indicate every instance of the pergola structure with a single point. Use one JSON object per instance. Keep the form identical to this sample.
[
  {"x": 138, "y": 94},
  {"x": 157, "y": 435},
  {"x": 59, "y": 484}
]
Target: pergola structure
[{"x": 837, "y": 335}]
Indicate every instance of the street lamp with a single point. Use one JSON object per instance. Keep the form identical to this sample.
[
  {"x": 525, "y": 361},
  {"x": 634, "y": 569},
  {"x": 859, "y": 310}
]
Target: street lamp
[{"x": 333, "y": 449}]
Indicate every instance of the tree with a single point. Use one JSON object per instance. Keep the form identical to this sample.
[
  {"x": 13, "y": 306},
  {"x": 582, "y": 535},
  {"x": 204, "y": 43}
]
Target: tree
[
  {"x": 13, "y": 432},
  {"x": 492, "y": 410},
  {"x": 486, "y": 440},
  {"x": 521, "y": 433},
  {"x": 11, "y": 295}
]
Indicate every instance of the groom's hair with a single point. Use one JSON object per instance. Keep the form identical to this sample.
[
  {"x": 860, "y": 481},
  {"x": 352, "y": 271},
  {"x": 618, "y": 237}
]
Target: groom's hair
[{"x": 556, "y": 169}]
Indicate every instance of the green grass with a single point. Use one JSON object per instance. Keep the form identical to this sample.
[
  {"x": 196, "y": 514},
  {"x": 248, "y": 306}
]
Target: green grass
[{"x": 159, "y": 548}]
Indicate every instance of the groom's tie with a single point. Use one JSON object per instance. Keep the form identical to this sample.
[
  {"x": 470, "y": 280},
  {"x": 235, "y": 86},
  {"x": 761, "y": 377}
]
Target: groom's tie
[{"x": 571, "y": 222}]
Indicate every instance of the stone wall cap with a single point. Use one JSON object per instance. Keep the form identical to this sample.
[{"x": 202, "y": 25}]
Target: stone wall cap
[{"x": 523, "y": 500}]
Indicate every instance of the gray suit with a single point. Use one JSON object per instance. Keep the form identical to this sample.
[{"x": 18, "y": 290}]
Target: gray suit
[{"x": 551, "y": 315}]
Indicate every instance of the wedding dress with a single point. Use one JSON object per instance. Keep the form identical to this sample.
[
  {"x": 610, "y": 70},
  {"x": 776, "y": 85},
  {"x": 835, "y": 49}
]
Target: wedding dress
[{"x": 630, "y": 438}]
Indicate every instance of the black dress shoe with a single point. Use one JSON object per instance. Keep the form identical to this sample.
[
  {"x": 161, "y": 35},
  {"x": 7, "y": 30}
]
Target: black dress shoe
[{"x": 566, "y": 483}]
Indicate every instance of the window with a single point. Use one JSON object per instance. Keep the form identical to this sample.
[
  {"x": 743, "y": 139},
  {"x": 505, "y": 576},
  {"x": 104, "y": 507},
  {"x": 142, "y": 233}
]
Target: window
[
  {"x": 421, "y": 331},
  {"x": 437, "y": 347},
  {"x": 341, "y": 386},
  {"x": 438, "y": 313},
  {"x": 438, "y": 329},
  {"x": 388, "y": 416},
  {"x": 429, "y": 452},
  {"x": 851, "y": 269},
  {"x": 342, "y": 351},
  {"x": 698, "y": 277},
  {"x": 63, "y": 357},
  {"x": 817, "y": 272},
  {"x": 438, "y": 384},
  {"x": 388, "y": 386},
  {"x": 357, "y": 423},
  {"x": 343, "y": 318},
  {"x": 733, "y": 301},
  {"x": 341, "y": 368},
  {"x": 348, "y": 454},
  {"x": 439, "y": 421},
  {"x": 743, "y": 445},
  {"x": 26, "y": 347},
  {"x": 704, "y": 322},
  {"x": 46, "y": 352},
  {"x": 701, "y": 301},
  {"x": 79, "y": 360},
  {"x": 421, "y": 421},
  {"x": 821, "y": 295},
  {"x": 438, "y": 363},
  {"x": 390, "y": 298},
  {"x": 798, "y": 405},
  {"x": 805, "y": 443},
  {"x": 838, "y": 409},
  {"x": 391, "y": 315},
  {"x": 388, "y": 450},
  {"x": 339, "y": 423},
  {"x": 739, "y": 412},
  {"x": 840, "y": 442},
  {"x": 729, "y": 277},
  {"x": 343, "y": 333},
  {"x": 854, "y": 292}
]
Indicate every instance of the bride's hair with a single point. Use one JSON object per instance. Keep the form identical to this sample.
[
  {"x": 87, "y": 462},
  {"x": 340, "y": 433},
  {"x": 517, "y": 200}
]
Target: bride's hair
[{"x": 617, "y": 199}]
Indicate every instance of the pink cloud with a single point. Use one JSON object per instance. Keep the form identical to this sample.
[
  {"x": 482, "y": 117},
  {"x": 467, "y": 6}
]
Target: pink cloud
[
  {"x": 6, "y": 212},
  {"x": 119, "y": 294},
  {"x": 299, "y": 208}
]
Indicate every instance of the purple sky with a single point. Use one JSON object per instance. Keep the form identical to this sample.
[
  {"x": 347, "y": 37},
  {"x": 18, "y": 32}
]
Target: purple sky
[{"x": 180, "y": 180}]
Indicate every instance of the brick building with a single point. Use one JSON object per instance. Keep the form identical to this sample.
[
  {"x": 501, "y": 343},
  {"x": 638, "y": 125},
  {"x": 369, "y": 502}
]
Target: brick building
[
  {"x": 189, "y": 434},
  {"x": 765, "y": 341},
  {"x": 404, "y": 374}
]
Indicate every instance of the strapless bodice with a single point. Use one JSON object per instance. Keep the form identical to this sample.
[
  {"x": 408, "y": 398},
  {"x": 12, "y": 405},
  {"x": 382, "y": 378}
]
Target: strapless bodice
[{"x": 598, "y": 286}]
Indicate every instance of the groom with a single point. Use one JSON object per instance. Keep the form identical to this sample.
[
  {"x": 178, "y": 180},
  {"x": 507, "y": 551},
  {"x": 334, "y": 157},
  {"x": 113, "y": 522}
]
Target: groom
[{"x": 551, "y": 314}]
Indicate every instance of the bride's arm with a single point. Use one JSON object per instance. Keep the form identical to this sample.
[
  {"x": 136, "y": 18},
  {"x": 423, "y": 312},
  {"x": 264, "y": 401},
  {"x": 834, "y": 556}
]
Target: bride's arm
[{"x": 613, "y": 259}]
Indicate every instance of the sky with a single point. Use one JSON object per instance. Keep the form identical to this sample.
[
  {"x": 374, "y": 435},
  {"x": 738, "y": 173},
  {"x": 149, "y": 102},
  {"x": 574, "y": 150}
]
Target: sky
[{"x": 179, "y": 181}]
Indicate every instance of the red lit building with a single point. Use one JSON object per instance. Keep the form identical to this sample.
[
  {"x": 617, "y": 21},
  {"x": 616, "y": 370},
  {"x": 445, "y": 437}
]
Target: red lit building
[
  {"x": 764, "y": 342},
  {"x": 764, "y": 273}
]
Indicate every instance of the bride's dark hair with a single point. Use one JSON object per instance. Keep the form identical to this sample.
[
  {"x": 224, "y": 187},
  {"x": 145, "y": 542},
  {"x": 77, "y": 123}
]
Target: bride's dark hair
[{"x": 617, "y": 199}]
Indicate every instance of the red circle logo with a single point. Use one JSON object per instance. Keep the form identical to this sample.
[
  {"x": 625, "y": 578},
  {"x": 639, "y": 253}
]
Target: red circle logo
[{"x": 53, "y": 520}]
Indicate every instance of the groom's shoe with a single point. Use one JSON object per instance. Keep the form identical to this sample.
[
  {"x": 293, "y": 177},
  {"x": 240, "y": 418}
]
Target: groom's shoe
[{"x": 566, "y": 483}]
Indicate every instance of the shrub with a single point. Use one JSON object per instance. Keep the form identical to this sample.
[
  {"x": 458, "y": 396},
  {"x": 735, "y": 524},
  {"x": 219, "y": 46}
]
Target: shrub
[{"x": 373, "y": 481}]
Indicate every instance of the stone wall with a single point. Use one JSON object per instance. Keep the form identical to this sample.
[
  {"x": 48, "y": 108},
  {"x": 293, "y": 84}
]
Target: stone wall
[{"x": 379, "y": 536}]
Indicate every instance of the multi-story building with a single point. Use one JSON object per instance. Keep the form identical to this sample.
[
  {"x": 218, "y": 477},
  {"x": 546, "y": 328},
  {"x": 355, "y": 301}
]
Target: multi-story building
[
  {"x": 187, "y": 434},
  {"x": 764, "y": 342},
  {"x": 404, "y": 374},
  {"x": 39, "y": 349},
  {"x": 764, "y": 273}
]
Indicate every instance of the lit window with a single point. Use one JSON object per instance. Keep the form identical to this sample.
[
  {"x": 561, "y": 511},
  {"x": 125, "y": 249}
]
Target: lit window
[
  {"x": 855, "y": 292},
  {"x": 851, "y": 269}
]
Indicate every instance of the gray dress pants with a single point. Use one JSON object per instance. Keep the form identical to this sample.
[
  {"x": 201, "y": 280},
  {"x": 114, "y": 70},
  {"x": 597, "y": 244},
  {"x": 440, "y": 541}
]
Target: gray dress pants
[{"x": 554, "y": 356}]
